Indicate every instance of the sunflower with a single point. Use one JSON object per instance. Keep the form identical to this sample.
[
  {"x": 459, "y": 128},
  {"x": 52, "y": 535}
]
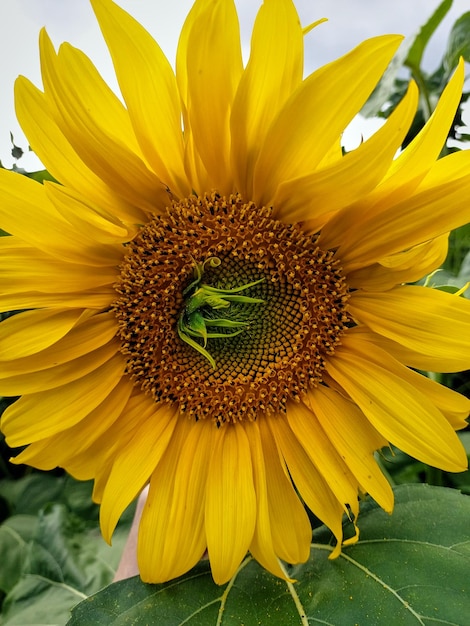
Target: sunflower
[{"x": 214, "y": 296}]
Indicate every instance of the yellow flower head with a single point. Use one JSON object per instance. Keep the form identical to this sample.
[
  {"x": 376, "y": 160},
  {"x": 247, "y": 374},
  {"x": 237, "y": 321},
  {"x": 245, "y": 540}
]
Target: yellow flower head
[{"x": 216, "y": 294}]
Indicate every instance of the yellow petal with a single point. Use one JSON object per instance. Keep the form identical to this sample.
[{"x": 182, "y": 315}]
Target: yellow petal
[
  {"x": 454, "y": 406},
  {"x": 30, "y": 332},
  {"x": 322, "y": 453},
  {"x": 230, "y": 511},
  {"x": 91, "y": 221},
  {"x": 39, "y": 415},
  {"x": 52, "y": 377},
  {"x": 81, "y": 81},
  {"x": 411, "y": 358},
  {"x": 194, "y": 166},
  {"x": 273, "y": 72},
  {"x": 62, "y": 449},
  {"x": 353, "y": 176},
  {"x": 322, "y": 107},
  {"x": 355, "y": 439},
  {"x": 148, "y": 85},
  {"x": 311, "y": 485},
  {"x": 60, "y": 159},
  {"x": 405, "y": 173},
  {"x": 262, "y": 544},
  {"x": 419, "y": 156},
  {"x": 98, "y": 457},
  {"x": 403, "y": 267},
  {"x": 428, "y": 321},
  {"x": 89, "y": 299},
  {"x": 438, "y": 205},
  {"x": 23, "y": 199},
  {"x": 27, "y": 269},
  {"x": 134, "y": 464},
  {"x": 290, "y": 526},
  {"x": 397, "y": 409},
  {"x": 87, "y": 335},
  {"x": 81, "y": 108},
  {"x": 171, "y": 535},
  {"x": 210, "y": 45}
]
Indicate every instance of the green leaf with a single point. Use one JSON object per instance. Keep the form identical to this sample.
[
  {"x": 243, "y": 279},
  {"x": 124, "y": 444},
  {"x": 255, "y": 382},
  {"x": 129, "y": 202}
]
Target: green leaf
[
  {"x": 410, "y": 568},
  {"x": 30, "y": 493},
  {"x": 15, "y": 534},
  {"x": 56, "y": 559},
  {"x": 458, "y": 43},
  {"x": 421, "y": 39},
  {"x": 409, "y": 54}
]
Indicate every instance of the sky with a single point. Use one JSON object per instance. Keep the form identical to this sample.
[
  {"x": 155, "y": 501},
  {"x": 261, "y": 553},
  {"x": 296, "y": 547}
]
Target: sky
[{"x": 349, "y": 22}]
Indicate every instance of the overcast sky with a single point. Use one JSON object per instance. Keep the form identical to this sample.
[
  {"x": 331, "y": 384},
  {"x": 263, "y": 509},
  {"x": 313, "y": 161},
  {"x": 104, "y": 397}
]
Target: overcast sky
[{"x": 350, "y": 21}]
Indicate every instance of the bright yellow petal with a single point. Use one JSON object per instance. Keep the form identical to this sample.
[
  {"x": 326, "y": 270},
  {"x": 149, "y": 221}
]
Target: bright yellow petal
[
  {"x": 26, "y": 269},
  {"x": 86, "y": 335},
  {"x": 53, "y": 377},
  {"x": 81, "y": 108},
  {"x": 430, "y": 212},
  {"x": 90, "y": 299},
  {"x": 309, "y": 482},
  {"x": 454, "y": 406},
  {"x": 355, "y": 440},
  {"x": 419, "y": 156},
  {"x": 98, "y": 457},
  {"x": 353, "y": 176},
  {"x": 62, "y": 449},
  {"x": 403, "y": 177},
  {"x": 262, "y": 544},
  {"x": 322, "y": 107},
  {"x": 403, "y": 267},
  {"x": 194, "y": 166},
  {"x": 22, "y": 200},
  {"x": 82, "y": 83},
  {"x": 290, "y": 526},
  {"x": 91, "y": 221},
  {"x": 30, "y": 332},
  {"x": 59, "y": 157},
  {"x": 171, "y": 535},
  {"x": 397, "y": 409},
  {"x": 273, "y": 71},
  {"x": 134, "y": 464},
  {"x": 411, "y": 358},
  {"x": 230, "y": 511},
  {"x": 322, "y": 453},
  {"x": 429, "y": 321},
  {"x": 211, "y": 45},
  {"x": 39, "y": 415},
  {"x": 148, "y": 85}
]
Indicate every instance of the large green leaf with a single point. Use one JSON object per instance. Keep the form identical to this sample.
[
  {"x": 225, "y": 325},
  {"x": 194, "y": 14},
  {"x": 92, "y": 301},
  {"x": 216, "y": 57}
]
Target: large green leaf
[{"x": 411, "y": 568}]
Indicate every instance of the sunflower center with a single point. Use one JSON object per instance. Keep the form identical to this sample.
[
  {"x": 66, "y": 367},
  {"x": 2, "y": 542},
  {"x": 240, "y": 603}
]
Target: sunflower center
[
  {"x": 199, "y": 319},
  {"x": 226, "y": 310}
]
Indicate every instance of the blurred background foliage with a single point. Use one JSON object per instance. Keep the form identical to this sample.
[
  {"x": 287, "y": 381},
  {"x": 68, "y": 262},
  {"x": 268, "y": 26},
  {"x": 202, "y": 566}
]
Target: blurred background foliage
[{"x": 52, "y": 554}]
